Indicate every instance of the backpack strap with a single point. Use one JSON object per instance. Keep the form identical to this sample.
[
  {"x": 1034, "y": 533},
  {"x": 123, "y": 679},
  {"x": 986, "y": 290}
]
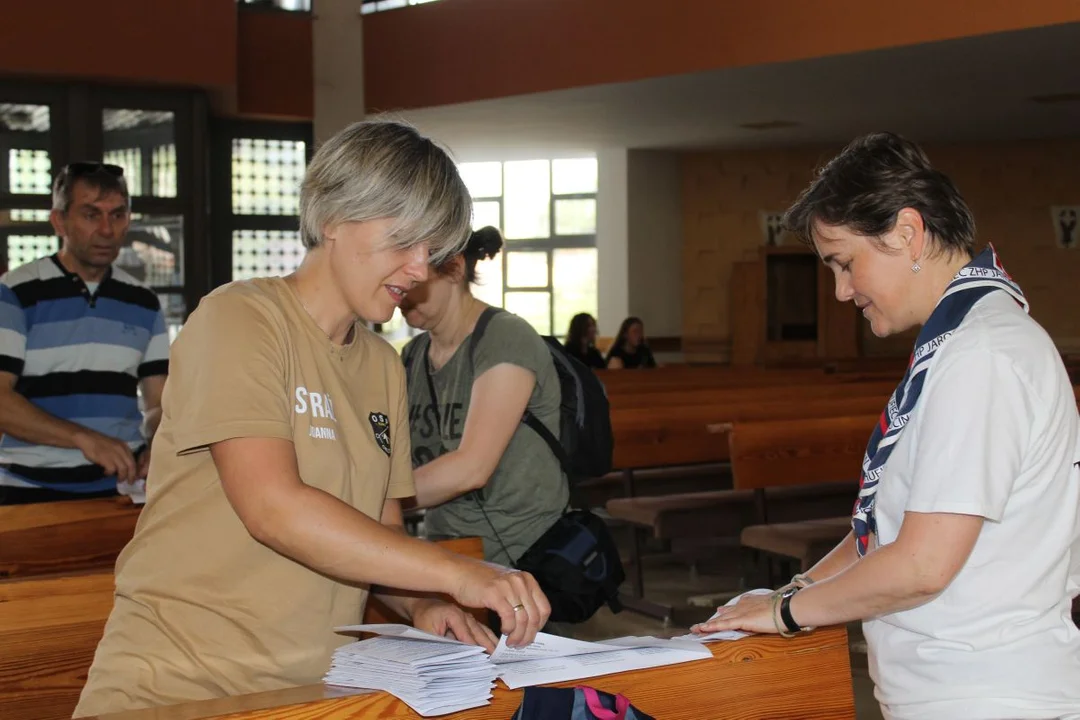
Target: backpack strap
[
  {"x": 478, "y": 331},
  {"x": 548, "y": 437},
  {"x": 528, "y": 418}
]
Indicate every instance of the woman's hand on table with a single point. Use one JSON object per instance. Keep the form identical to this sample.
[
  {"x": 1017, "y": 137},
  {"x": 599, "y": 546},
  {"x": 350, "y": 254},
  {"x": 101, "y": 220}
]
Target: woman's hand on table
[
  {"x": 445, "y": 619},
  {"x": 751, "y": 613}
]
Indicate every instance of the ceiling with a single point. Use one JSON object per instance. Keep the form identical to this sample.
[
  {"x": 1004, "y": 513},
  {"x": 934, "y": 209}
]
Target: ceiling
[{"x": 960, "y": 90}]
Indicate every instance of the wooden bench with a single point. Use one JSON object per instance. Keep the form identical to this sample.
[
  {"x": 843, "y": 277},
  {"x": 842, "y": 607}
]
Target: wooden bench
[
  {"x": 48, "y": 538},
  {"x": 50, "y": 627},
  {"x": 764, "y": 676},
  {"x": 784, "y": 454},
  {"x": 681, "y": 437}
]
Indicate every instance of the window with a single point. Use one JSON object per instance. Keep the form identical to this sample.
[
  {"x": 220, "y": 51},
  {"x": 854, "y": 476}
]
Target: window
[
  {"x": 25, "y": 184},
  {"x": 291, "y": 5},
  {"x": 371, "y": 6},
  {"x": 258, "y": 235},
  {"x": 547, "y": 271}
]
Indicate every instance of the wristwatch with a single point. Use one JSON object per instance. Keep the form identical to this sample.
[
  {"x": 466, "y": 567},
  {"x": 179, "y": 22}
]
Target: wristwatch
[{"x": 785, "y": 611}]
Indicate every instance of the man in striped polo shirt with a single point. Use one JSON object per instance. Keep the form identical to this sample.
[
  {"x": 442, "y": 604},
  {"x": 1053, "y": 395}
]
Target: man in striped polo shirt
[{"x": 78, "y": 338}]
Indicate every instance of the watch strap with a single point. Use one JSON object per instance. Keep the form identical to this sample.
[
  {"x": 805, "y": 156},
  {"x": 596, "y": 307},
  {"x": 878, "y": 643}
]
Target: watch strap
[{"x": 785, "y": 611}]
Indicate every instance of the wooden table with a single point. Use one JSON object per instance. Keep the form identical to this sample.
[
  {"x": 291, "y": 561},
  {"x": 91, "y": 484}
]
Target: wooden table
[
  {"x": 47, "y": 538},
  {"x": 802, "y": 678}
]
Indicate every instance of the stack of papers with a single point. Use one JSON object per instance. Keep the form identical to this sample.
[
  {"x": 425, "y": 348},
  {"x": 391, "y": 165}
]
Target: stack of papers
[
  {"x": 436, "y": 675},
  {"x": 433, "y": 675}
]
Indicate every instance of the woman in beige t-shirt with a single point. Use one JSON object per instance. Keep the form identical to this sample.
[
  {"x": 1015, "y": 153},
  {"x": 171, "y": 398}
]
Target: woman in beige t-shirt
[{"x": 273, "y": 493}]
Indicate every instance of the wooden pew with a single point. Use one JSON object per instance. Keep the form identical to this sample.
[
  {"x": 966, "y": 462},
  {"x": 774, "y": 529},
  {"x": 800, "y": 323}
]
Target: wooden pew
[
  {"x": 767, "y": 456},
  {"x": 802, "y": 678},
  {"x": 721, "y": 396},
  {"x": 46, "y": 538},
  {"x": 50, "y": 627},
  {"x": 681, "y": 437}
]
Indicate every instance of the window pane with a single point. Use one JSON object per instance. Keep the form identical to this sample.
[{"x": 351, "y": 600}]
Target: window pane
[
  {"x": 527, "y": 198},
  {"x": 526, "y": 269},
  {"x": 484, "y": 214},
  {"x": 535, "y": 307},
  {"x": 266, "y": 176},
  {"x": 154, "y": 250},
  {"x": 575, "y": 217},
  {"x": 22, "y": 249},
  {"x": 173, "y": 307},
  {"x": 573, "y": 176},
  {"x": 30, "y": 216},
  {"x": 574, "y": 279},
  {"x": 265, "y": 253},
  {"x": 26, "y": 131},
  {"x": 489, "y": 281},
  {"x": 164, "y": 164},
  {"x": 484, "y": 179},
  {"x": 139, "y": 142}
]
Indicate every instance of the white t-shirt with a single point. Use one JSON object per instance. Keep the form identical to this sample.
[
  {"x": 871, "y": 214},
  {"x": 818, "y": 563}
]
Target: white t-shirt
[{"x": 995, "y": 433}]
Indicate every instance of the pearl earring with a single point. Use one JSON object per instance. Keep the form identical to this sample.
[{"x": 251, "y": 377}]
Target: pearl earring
[{"x": 915, "y": 267}]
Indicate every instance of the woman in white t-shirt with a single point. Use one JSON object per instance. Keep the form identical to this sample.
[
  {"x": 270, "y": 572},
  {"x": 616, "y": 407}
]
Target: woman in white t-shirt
[{"x": 964, "y": 554}]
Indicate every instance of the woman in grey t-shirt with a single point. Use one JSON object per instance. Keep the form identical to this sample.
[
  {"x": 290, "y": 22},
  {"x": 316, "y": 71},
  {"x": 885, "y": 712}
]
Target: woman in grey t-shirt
[{"x": 478, "y": 469}]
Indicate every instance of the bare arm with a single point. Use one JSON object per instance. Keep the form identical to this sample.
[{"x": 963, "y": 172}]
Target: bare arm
[
  {"x": 398, "y": 602},
  {"x": 262, "y": 483},
  {"x": 151, "y": 389},
  {"x": 21, "y": 419},
  {"x": 499, "y": 398},
  {"x": 929, "y": 552},
  {"x": 615, "y": 363}
]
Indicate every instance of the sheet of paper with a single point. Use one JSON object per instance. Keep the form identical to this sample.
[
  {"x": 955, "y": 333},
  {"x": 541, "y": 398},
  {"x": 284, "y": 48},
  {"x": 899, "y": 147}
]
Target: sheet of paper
[
  {"x": 396, "y": 630},
  {"x": 725, "y": 634},
  {"x": 553, "y": 646},
  {"x": 577, "y": 667}
]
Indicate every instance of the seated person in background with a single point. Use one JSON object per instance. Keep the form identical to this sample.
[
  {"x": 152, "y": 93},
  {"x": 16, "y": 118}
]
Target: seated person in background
[
  {"x": 78, "y": 338},
  {"x": 629, "y": 349},
  {"x": 964, "y": 554},
  {"x": 479, "y": 469},
  {"x": 273, "y": 504},
  {"x": 581, "y": 341}
]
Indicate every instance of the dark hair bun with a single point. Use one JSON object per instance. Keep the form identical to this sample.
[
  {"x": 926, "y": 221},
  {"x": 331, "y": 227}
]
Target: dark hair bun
[{"x": 484, "y": 243}]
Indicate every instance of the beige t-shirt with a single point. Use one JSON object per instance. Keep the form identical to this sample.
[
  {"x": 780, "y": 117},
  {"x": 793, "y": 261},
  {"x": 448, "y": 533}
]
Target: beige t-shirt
[{"x": 203, "y": 610}]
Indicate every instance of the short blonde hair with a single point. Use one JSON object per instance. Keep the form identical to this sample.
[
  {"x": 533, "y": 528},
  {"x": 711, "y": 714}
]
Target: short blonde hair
[{"x": 384, "y": 169}]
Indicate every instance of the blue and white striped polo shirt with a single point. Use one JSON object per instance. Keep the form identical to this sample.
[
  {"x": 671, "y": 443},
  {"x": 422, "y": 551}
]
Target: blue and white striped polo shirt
[{"x": 78, "y": 356}]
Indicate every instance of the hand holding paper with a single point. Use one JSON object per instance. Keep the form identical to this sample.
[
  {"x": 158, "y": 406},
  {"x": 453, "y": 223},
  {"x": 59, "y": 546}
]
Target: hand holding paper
[{"x": 739, "y": 617}]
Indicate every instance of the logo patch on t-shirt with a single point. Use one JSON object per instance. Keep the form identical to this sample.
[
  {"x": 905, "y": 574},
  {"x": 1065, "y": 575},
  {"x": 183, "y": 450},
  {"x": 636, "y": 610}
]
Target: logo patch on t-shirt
[{"x": 380, "y": 425}]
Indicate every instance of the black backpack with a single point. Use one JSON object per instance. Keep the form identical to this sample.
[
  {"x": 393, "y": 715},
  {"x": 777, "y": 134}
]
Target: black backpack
[{"x": 586, "y": 443}]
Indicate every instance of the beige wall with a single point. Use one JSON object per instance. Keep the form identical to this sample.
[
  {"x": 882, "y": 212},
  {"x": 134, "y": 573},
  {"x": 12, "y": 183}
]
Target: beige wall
[
  {"x": 338, "y": 47},
  {"x": 1010, "y": 188},
  {"x": 655, "y": 239}
]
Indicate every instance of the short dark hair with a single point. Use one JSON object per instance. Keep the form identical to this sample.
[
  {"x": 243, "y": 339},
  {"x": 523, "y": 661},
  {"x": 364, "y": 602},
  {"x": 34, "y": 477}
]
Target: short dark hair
[
  {"x": 871, "y": 181},
  {"x": 103, "y": 177},
  {"x": 483, "y": 244}
]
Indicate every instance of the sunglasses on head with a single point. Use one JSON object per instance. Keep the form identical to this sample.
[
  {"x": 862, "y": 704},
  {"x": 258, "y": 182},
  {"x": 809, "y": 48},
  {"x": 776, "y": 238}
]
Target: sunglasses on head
[{"x": 76, "y": 169}]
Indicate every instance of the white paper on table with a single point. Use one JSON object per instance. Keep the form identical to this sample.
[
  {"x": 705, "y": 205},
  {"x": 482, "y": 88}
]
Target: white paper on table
[
  {"x": 725, "y": 634},
  {"x": 576, "y": 667},
  {"x": 552, "y": 646},
  {"x": 397, "y": 630}
]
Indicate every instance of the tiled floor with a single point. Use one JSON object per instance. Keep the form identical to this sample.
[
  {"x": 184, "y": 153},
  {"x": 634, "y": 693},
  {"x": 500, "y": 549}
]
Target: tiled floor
[{"x": 673, "y": 583}]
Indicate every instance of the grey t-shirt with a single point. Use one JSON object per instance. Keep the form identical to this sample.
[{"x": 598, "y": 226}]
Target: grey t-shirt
[{"x": 528, "y": 491}]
